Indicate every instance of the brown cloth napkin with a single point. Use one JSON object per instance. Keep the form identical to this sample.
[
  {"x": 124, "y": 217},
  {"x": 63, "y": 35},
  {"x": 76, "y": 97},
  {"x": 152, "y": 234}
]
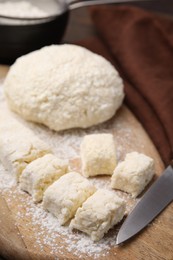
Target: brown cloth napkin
[{"x": 140, "y": 45}]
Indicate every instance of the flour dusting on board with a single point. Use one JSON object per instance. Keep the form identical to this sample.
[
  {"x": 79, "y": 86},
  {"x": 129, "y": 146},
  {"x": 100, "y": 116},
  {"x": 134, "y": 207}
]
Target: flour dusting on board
[
  {"x": 50, "y": 230},
  {"x": 47, "y": 235}
]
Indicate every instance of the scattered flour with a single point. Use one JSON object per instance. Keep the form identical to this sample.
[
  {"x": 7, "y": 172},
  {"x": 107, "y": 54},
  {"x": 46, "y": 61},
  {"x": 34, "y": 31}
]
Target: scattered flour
[
  {"x": 46, "y": 231},
  {"x": 44, "y": 228},
  {"x": 6, "y": 181}
]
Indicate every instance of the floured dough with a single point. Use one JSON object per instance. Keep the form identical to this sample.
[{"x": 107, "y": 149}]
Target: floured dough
[
  {"x": 99, "y": 213},
  {"x": 18, "y": 144},
  {"x": 40, "y": 174},
  {"x": 66, "y": 195},
  {"x": 133, "y": 174},
  {"x": 64, "y": 86},
  {"x": 98, "y": 154}
]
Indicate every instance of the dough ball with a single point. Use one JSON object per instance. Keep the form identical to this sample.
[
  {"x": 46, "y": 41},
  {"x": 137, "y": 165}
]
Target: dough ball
[{"x": 64, "y": 86}]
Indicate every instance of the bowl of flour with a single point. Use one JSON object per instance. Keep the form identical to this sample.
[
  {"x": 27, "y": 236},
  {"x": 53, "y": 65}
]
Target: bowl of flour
[{"x": 27, "y": 25}]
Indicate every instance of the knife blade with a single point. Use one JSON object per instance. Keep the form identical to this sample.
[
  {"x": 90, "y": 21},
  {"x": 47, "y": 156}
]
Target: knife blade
[{"x": 159, "y": 195}]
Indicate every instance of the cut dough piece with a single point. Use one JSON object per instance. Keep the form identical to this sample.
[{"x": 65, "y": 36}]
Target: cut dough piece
[
  {"x": 99, "y": 213},
  {"x": 98, "y": 154},
  {"x": 40, "y": 174},
  {"x": 64, "y": 86},
  {"x": 66, "y": 195},
  {"x": 18, "y": 145},
  {"x": 133, "y": 174}
]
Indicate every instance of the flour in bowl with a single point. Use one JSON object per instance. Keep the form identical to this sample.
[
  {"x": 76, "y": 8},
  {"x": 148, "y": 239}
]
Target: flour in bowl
[{"x": 21, "y": 9}]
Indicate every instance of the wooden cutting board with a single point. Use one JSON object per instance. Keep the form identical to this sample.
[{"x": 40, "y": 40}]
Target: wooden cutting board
[{"x": 17, "y": 238}]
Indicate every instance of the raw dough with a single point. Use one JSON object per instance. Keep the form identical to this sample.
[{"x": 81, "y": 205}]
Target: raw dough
[
  {"x": 64, "y": 86},
  {"x": 40, "y": 174},
  {"x": 18, "y": 144},
  {"x": 98, "y": 154},
  {"x": 66, "y": 195},
  {"x": 99, "y": 213},
  {"x": 133, "y": 174}
]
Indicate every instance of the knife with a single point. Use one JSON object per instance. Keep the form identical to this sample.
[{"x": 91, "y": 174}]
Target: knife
[{"x": 159, "y": 195}]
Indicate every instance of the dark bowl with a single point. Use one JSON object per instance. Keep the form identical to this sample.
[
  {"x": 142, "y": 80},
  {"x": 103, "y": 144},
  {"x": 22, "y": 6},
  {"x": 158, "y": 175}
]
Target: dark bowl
[{"x": 19, "y": 39}]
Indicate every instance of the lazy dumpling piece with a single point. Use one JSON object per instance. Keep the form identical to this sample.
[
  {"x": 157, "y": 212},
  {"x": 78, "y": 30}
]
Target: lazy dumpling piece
[
  {"x": 98, "y": 214},
  {"x": 133, "y": 174},
  {"x": 40, "y": 174},
  {"x": 98, "y": 154},
  {"x": 66, "y": 195},
  {"x": 64, "y": 86}
]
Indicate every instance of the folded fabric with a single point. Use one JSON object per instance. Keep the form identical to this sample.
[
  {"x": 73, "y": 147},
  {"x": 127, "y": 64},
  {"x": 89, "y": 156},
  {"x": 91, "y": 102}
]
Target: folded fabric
[{"x": 140, "y": 45}]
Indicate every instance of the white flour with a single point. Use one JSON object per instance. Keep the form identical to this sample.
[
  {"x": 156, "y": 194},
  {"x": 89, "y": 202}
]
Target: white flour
[
  {"x": 21, "y": 9},
  {"x": 44, "y": 228},
  {"x": 29, "y": 9}
]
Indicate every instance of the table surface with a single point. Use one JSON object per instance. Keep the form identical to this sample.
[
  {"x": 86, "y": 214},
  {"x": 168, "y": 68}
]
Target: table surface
[{"x": 80, "y": 25}]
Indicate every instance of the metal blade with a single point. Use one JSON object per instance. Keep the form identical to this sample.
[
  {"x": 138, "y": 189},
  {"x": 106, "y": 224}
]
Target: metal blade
[{"x": 159, "y": 195}]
